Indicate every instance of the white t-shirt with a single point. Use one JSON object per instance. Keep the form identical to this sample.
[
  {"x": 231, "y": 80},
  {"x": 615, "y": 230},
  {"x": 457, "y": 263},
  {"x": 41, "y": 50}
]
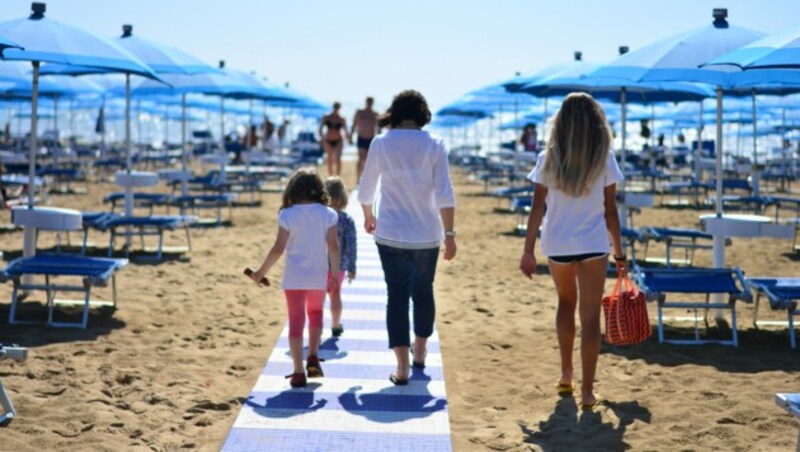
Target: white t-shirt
[
  {"x": 414, "y": 176},
  {"x": 307, "y": 248},
  {"x": 576, "y": 225}
]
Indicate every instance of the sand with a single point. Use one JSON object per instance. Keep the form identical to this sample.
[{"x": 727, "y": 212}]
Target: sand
[{"x": 171, "y": 366}]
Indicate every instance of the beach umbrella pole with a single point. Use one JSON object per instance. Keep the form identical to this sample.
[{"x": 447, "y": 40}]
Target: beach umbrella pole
[
  {"x": 223, "y": 151},
  {"x": 623, "y": 215},
  {"x": 29, "y": 239},
  {"x": 128, "y": 157},
  {"x": 756, "y": 178},
  {"x": 698, "y": 174},
  {"x": 718, "y": 237},
  {"x": 184, "y": 157}
]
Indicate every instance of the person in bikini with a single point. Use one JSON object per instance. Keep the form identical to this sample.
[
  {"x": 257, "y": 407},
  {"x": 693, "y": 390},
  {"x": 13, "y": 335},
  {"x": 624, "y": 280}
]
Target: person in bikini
[
  {"x": 365, "y": 125},
  {"x": 333, "y": 138}
]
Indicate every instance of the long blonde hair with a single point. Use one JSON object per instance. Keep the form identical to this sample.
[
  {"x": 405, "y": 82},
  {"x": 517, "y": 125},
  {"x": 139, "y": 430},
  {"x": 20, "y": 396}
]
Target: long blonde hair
[{"x": 578, "y": 147}]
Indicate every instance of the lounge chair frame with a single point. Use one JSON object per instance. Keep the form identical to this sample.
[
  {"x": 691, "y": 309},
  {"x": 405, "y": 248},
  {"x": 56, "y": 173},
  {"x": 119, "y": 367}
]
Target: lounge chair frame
[
  {"x": 50, "y": 266},
  {"x": 660, "y": 296},
  {"x": 777, "y": 301}
]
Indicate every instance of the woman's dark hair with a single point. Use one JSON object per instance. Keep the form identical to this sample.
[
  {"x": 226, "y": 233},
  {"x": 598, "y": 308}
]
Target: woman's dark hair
[
  {"x": 305, "y": 186},
  {"x": 408, "y": 105}
]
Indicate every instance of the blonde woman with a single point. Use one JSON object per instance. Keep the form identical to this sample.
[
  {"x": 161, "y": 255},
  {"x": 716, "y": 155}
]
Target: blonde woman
[{"x": 576, "y": 178}]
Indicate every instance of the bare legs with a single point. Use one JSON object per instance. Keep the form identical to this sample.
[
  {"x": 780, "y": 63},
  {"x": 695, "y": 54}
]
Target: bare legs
[
  {"x": 586, "y": 295},
  {"x": 336, "y": 308},
  {"x": 362, "y": 160},
  {"x": 333, "y": 155},
  {"x": 401, "y": 353}
]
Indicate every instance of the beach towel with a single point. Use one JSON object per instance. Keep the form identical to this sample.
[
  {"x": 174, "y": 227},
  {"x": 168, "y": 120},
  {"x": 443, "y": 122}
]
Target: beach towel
[{"x": 625, "y": 312}]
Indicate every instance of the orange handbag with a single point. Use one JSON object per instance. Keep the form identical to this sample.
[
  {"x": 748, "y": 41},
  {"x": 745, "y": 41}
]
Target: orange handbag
[{"x": 625, "y": 312}]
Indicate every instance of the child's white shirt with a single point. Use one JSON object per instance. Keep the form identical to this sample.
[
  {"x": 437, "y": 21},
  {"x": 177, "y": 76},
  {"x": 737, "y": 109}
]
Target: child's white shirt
[{"x": 307, "y": 248}]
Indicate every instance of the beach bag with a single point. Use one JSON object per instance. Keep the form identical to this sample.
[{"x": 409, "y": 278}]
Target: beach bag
[{"x": 625, "y": 312}]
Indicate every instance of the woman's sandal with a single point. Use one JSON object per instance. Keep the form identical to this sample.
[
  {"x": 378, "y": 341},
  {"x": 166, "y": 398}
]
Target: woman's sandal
[
  {"x": 418, "y": 364},
  {"x": 337, "y": 331},
  {"x": 598, "y": 401},
  {"x": 313, "y": 367},
  {"x": 398, "y": 381},
  {"x": 297, "y": 380},
  {"x": 564, "y": 389}
]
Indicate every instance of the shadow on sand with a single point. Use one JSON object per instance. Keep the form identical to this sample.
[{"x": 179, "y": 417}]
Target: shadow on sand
[{"x": 569, "y": 428}]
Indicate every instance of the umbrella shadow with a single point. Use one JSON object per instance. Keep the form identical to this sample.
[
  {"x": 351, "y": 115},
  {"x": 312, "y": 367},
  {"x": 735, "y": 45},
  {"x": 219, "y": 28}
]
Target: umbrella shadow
[
  {"x": 289, "y": 403},
  {"x": 569, "y": 428},
  {"x": 759, "y": 350},
  {"x": 394, "y": 404}
]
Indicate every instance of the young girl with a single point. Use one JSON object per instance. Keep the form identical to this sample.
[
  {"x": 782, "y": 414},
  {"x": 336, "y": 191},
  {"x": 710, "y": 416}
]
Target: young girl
[
  {"x": 347, "y": 248},
  {"x": 306, "y": 226},
  {"x": 576, "y": 178}
]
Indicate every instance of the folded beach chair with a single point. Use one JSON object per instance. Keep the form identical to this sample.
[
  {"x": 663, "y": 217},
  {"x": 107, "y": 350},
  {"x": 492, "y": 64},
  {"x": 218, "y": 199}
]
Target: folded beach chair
[
  {"x": 690, "y": 240},
  {"x": 93, "y": 272},
  {"x": 656, "y": 283},
  {"x": 7, "y": 412},
  {"x": 783, "y": 294}
]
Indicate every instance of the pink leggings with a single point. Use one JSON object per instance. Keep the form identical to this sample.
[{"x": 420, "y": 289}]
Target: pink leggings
[{"x": 297, "y": 302}]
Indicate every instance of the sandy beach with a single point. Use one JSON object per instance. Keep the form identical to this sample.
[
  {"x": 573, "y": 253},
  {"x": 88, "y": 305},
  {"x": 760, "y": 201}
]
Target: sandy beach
[{"x": 171, "y": 366}]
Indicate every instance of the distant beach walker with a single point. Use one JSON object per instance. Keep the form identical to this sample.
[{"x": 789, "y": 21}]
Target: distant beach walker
[
  {"x": 416, "y": 213},
  {"x": 576, "y": 178}
]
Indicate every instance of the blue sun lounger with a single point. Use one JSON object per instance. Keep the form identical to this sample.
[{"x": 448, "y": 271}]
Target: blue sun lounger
[
  {"x": 783, "y": 294},
  {"x": 656, "y": 283},
  {"x": 93, "y": 271},
  {"x": 124, "y": 226}
]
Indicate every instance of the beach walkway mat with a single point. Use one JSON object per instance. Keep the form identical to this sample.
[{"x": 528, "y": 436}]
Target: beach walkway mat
[{"x": 354, "y": 407}]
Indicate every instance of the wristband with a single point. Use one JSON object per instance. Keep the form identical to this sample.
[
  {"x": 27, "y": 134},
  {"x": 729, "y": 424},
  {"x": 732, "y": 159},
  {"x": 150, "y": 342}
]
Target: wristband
[
  {"x": 622, "y": 258},
  {"x": 450, "y": 233}
]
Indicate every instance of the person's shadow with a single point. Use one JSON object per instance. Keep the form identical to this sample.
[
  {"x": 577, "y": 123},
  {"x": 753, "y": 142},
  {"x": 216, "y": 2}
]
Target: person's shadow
[
  {"x": 569, "y": 428},
  {"x": 292, "y": 402},
  {"x": 328, "y": 350},
  {"x": 394, "y": 403}
]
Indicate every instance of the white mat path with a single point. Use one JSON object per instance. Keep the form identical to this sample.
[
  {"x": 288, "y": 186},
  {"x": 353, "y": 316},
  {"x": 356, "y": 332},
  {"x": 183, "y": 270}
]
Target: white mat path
[{"x": 354, "y": 407}]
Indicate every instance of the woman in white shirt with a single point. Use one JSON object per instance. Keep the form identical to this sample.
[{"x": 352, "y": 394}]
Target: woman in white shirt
[
  {"x": 576, "y": 178},
  {"x": 415, "y": 213}
]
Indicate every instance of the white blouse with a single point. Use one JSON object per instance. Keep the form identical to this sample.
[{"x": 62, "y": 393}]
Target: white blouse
[{"x": 411, "y": 166}]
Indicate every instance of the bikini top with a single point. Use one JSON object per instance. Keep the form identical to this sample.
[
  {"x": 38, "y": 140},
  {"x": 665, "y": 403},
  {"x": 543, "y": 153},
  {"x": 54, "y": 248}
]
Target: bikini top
[{"x": 333, "y": 124}]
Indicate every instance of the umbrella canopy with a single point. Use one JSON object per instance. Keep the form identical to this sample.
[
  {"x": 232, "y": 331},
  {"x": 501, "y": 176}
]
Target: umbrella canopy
[
  {"x": 161, "y": 58},
  {"x": 51, "y": 41},
  {"x": 515, "y": 84},
  {"x": 6, "y": 44},
  {"x": 776, "y": 51},
  {"x": 678, "y": 57}
]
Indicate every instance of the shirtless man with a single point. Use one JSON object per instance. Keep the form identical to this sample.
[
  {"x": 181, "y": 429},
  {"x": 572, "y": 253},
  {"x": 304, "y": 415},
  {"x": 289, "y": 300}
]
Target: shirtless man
[{"x": 365, "y": 124}]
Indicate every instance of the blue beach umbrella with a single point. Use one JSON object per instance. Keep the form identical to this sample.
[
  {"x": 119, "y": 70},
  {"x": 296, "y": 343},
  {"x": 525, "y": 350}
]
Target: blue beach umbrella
[
  {"x": 576, "y": 65},
  {"x": 777, "y": 51},
  {"x": 46, "y": 40}
]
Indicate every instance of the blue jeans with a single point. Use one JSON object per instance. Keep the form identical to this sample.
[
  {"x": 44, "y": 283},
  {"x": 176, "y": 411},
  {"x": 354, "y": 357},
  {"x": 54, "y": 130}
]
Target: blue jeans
[{"x": 408, "y": 274}]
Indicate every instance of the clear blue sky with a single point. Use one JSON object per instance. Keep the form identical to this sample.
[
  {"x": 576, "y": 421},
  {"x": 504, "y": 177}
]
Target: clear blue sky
[{"x": 348, "y": 49}]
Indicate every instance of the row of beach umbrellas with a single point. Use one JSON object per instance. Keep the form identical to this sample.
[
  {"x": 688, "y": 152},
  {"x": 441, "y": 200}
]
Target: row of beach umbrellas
[
  {"x": 711, "y": 61},
  {"x": 56, "y": 48}
]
